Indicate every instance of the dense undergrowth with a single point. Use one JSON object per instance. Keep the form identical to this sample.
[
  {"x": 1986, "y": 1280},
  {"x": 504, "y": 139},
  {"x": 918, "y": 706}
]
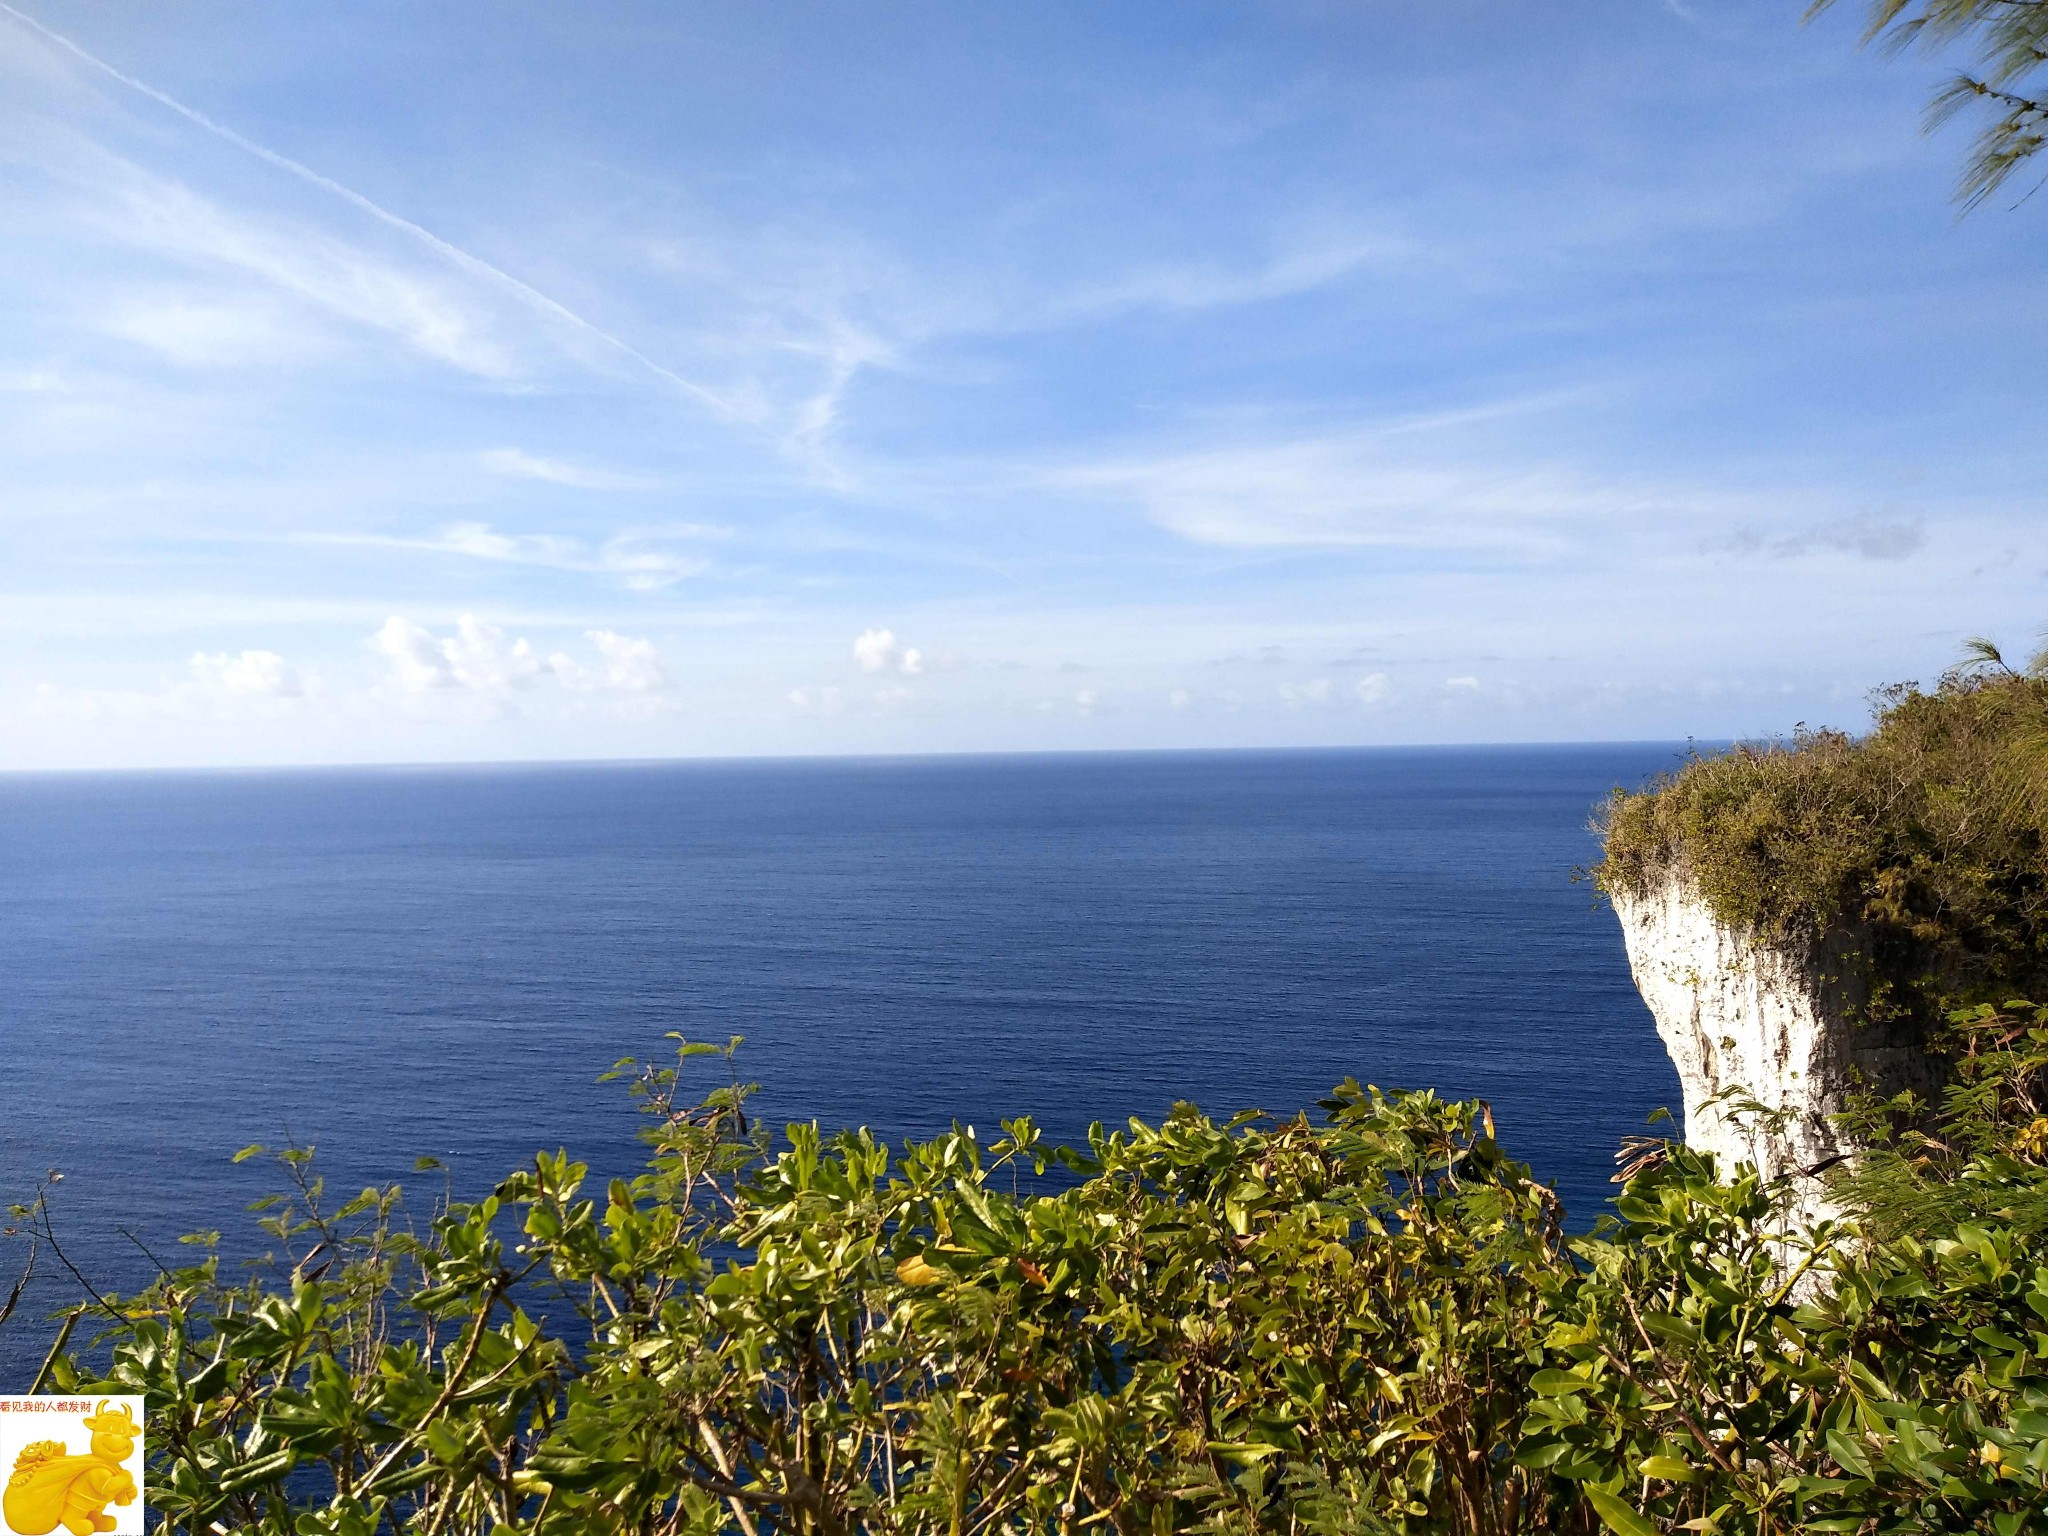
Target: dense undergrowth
[
  {"x": 1370, "y": 1321},
  {"x": 1923, "y": 839}
]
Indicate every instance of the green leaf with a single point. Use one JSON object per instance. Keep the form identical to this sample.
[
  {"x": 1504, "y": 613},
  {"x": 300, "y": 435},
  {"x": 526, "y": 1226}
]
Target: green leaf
[
  {"x": 1667, "y": 1469},
  {"x": 1236, "y": 1451},
  {"x": 209, "y": 1381},
  {"x": 264, "y": 1469},
  {"x": 1539, "y": 1454},
  {"x": 1846, "y": 1454},
  {"x": 1617, "y": 1516}
]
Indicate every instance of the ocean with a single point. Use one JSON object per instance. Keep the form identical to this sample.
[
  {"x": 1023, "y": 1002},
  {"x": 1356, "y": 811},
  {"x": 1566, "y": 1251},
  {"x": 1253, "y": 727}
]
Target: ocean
[{"x": 386, "y": 963}]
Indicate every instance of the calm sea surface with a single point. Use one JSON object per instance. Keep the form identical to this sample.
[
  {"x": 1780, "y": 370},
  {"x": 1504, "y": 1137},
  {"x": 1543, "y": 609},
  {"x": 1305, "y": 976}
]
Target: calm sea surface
[{"x": 387, "y": 963}]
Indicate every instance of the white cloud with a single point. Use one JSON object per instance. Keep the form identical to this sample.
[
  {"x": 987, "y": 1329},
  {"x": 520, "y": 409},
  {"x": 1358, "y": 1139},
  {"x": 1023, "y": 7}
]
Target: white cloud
[
  {"x": 1086, "y": 700},
  {"x": 415, "y": 655},
  {"x": 1449, "y": 482},
  {"x": 843, "y": 350},
  {"x": 219, "y": 687},
  {"x": 827, "y": 701},
  {"x": 1461, "y": 684},
  {"x": 475, "y": 659},
  {"x": 877, "y": 650},
  {"x": 1337, "y": 492},
  {"x": 630, "y": 665},
  {"x": 1372, "y": 688},
  {"x": 1215, "y": 286},
  {"x": 1180, "y": 698},
  {"x": 516, "y": 464},
  {"x": 260, "y": 674},
  {"x": 473, "y": 267},
  {"x": 1297, "y": 694},
  {"x": 212, "y": 333},
  {"x": 340, "y": 279},
  {"x": 637, "y": 565}
]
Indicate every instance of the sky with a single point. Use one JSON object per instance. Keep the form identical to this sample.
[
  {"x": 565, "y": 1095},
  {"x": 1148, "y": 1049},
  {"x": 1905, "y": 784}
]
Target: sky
[{"x": 385, "y": 382}]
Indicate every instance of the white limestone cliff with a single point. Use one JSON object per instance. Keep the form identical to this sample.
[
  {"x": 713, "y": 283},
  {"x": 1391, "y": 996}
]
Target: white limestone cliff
[{"x": 1753, "y": 1026}]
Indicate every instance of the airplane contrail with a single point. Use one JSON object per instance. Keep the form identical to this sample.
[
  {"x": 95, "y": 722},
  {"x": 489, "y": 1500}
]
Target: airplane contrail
[{"x": 533, "y": 298}]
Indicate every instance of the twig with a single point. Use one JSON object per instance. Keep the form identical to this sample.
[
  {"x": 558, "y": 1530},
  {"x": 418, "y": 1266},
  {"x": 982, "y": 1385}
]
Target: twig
[
  {"x": 492, "y": 1294},
  {"x": 138, "y": 1242},
  {"x": 28, "y": 1272},
  {"x": 50, "y": 1236},
  {"x": 56, "y": 1349},
  {"x": 719, "y": 1460}
]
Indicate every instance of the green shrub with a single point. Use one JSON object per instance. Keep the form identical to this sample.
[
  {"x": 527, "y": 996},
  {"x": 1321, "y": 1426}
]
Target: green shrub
[
  {"x": 1925, "y": 839},
  {"x": 1370, "y": 1322}
]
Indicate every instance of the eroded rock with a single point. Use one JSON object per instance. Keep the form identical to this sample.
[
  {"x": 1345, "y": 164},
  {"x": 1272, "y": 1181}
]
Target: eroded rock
[{"x": 1768, "y": 1037}]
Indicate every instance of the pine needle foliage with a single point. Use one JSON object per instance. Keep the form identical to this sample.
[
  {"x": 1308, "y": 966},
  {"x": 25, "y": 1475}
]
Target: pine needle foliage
[{"x": 2009, "y": 41}]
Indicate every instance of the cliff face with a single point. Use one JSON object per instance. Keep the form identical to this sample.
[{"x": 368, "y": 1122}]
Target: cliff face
[{"x": 1749, "y": 1021}]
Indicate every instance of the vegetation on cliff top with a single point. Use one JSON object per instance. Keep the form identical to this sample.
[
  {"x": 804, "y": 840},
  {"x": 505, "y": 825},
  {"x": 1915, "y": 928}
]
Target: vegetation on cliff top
[
  {"x": 1926, "y": 839},
  {"x": 1365, "y": 1324}
]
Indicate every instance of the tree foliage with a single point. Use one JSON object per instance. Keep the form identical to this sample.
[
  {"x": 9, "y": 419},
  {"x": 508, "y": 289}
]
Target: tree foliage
[{"x": 1369, "y": 1321}]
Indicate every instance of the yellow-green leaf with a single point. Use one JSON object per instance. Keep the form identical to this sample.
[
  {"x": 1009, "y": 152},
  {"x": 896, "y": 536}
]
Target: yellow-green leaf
[{"x": 917, "y": 1270}]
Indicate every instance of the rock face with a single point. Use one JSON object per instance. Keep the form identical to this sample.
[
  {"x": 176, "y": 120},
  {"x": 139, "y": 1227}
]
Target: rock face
[{"x": 1753, "y": 1024}]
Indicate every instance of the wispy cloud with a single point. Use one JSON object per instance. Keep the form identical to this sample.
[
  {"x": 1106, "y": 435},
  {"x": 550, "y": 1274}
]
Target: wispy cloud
[
  {"x": 1448, "y": 481},
  {"x": 1344, "y": 490},
  {"x": 334, "y": 276},
  {"x": 843, "y": 349},
  {"x": 536, "y": 301},
  {"x": 1868, "y": 534},
  {"x": 640, "y": 567},
  {"x": 1213, "y": 285},
  {"x": 201, "y": 331},
  {"x": 516, "y": 464}
]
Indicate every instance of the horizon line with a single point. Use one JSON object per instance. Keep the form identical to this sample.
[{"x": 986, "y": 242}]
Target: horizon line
[{"x": 792, "y": 758}]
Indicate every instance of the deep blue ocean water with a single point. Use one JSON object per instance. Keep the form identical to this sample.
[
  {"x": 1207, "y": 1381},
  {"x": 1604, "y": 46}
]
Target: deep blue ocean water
[{"x": 388, "y": 963}]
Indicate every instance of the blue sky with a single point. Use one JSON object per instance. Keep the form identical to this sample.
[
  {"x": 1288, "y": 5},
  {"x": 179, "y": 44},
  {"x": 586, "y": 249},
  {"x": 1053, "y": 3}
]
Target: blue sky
[{"x": 395, "y": 382}]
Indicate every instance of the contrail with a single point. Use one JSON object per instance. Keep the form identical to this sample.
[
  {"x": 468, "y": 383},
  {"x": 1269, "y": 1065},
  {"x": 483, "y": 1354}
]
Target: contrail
[{"x": 533, "y": 298}]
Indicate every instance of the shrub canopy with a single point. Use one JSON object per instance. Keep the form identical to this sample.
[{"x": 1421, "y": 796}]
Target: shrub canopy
[
  {"x": 1369, "y": 1322},
  {"x": 1924, "y": 839}
]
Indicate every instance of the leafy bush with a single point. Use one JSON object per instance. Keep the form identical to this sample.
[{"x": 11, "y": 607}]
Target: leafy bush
[
  {"x": 1370, "y": 1322},
  {"x": 1926, "y": 839}
]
